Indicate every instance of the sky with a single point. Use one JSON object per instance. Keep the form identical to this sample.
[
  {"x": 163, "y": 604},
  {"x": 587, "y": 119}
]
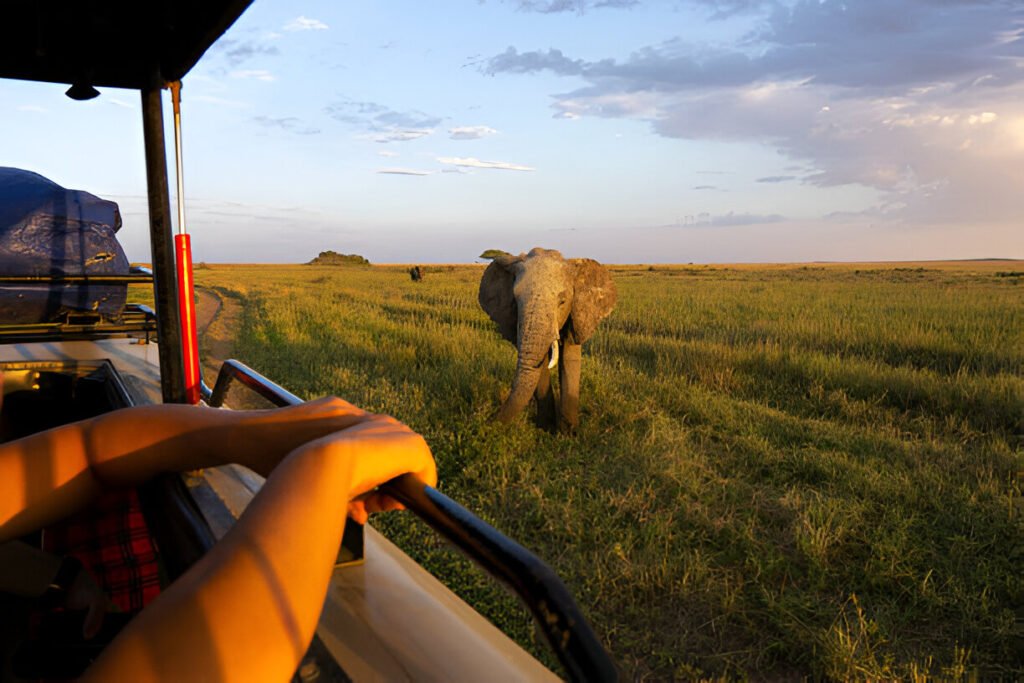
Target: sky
[{"x": 629, "y": 131}]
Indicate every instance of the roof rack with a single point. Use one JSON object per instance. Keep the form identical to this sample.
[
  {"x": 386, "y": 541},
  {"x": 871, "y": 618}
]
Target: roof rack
[{"x": 136, "y": 319}]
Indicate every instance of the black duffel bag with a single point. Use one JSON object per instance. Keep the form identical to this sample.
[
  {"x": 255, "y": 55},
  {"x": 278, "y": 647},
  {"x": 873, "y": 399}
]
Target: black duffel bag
[{"x": 46, "y": 230}]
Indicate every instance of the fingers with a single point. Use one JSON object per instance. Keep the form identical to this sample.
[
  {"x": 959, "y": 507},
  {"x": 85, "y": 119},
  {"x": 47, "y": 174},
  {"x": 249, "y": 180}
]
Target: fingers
[
  {"x": 383, "y": 449},
  {"x": 93, "y": 620},
  {"x": 84, "y": 593},
  {"x": 270, "y": 435},
  {"x": 380, "y": 447},
  {"x": 361, "y": 508},
  {"x": 357, "y": 511},
  {"x": 404, "y": 445}
]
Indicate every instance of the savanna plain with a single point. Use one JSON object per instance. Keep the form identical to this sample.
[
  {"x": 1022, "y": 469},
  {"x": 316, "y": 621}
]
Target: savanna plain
[{"x": 780, "y": 472}]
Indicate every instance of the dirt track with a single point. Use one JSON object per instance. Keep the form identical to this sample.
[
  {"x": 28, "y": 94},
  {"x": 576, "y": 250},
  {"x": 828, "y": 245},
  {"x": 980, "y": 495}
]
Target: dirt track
[{"x": 217, "y": 318}]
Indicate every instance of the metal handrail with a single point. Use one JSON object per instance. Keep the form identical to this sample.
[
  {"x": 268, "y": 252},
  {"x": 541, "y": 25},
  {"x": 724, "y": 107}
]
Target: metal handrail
[{"x": 533, "y": 581}]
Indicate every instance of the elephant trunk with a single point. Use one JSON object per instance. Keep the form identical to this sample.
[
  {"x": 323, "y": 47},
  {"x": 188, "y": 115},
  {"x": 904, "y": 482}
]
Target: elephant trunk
[{"x": 535, "y": 337}]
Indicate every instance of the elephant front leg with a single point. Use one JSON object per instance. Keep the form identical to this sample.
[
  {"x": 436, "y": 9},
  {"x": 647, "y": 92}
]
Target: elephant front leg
[
  {"x": 545, "y": 399},
  {"x": 569, "y": 386}
]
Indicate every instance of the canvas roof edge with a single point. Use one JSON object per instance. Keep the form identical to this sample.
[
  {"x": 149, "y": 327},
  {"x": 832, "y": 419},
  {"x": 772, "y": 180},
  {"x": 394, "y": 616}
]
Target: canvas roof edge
[{"x": 110, "y": 44}]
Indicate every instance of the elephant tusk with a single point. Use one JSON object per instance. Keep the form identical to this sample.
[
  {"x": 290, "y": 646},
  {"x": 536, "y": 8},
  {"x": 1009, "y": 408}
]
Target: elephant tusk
[{"x": 554, "y": 355}]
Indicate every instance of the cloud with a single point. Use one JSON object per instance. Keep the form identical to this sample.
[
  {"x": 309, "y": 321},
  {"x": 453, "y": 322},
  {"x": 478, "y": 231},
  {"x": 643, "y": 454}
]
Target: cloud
[
  {"x": 236, "y": 52},
  {"x": 512, "y": 61},
  {"x": 301, "y": 23},
  {"x": 920, "y": 100},
  {"x": 403, "y": 171},
  {"x": 381, "y": 123},
  {"x": 471, "y": 132},
  {"x": 720, "y": 9},
  {"x": 289, "y": 124},
  {"x": 121, "y": 103},
  {"x": 471, "y": 162},
  {"x": 706, "y": 187},
  {"x": 732, "y": 219},
  {"x": 776, "y": 178},
  {"x": 387, "y": 153},
  {"x": 398, "y": 135},
  {"x": 257, "y": 74},
  {"x": 577, "y": 6},
  {"x": 726, "y": 220}
]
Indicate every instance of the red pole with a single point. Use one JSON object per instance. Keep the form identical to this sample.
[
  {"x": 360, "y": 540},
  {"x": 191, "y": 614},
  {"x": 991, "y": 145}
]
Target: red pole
[
  {"x": 183, "y": 253},
  {"x": 187, "y": 304}
]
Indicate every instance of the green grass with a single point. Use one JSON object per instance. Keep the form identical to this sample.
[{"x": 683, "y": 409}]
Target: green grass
[{"x": 780, "y": 471}]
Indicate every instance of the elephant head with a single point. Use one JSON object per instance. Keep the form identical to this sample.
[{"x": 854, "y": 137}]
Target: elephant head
[{"x": 547, "y": 306}]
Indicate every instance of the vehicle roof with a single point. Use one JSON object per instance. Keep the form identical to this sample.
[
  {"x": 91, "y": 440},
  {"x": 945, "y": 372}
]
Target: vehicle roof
[{"x": 111, "y": 43}]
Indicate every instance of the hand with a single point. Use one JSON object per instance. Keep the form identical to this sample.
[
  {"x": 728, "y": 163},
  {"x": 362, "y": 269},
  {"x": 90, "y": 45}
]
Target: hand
[
  {"x": 84, "y": 594},
  {"x": 272, "y": 434},
  {"x": 381, "y": 448}
]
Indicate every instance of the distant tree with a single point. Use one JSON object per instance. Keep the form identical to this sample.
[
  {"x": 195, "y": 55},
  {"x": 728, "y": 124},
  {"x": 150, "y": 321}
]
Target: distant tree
[
  {"x": 333, "y": 258},
  {"x": 493, "y": 254}
]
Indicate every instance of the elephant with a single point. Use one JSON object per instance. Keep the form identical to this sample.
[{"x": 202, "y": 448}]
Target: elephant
[{"x": 548, "y": 306}]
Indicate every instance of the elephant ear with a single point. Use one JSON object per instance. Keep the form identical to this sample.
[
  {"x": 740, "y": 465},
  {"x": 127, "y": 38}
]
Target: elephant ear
[
  {"x": 594, "y": 297},
  {"x": 496, "y": 294}
]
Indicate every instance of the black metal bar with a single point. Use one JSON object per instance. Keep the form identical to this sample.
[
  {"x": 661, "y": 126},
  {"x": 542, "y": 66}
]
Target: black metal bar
[
  {"x": 232, "y": 370},
  {"x": 135, "y": 318},
  {"x": 140, "y": 308},
  {"x": 536, "y": 584},
  {"x": 76, "y": 333},
  {"x": 165, "y": 287},
  {"x": 76, "y": 279}
]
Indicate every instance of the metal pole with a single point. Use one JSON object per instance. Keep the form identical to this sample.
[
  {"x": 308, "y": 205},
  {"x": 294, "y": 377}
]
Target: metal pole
[
  {"x": 183, "y": 251},
  {"x": 165, "y": 286},
  {"x": 176, "y": 107}
]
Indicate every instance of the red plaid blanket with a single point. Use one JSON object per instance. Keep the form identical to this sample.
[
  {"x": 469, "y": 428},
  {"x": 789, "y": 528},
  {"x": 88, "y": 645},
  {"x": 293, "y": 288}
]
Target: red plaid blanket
[{"x": 112, "y": 540}]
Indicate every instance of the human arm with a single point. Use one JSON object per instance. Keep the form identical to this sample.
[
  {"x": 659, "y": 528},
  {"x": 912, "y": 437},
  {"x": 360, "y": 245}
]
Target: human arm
[
  {"x": 248, "y": 609},
  {"x": 47, "y": 476}
]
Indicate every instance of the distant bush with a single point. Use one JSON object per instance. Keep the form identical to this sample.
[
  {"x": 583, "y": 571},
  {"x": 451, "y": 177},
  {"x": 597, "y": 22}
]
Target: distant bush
[
  {"x": 493, "y": 254},
  {"x": 333, "y": 258}
]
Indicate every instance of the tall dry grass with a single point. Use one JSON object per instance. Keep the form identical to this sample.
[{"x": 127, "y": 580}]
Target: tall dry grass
[{"x": 780, "y": 472}]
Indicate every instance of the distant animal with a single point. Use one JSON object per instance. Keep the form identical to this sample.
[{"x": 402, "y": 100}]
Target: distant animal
[
  {"x": 416, "y": 273},
  {"x": 548, "y": 306}
]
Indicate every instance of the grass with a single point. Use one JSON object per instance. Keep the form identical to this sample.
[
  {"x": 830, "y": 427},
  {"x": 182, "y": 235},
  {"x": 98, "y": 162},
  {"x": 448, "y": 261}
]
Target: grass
[{"x": 780, "y": 472}]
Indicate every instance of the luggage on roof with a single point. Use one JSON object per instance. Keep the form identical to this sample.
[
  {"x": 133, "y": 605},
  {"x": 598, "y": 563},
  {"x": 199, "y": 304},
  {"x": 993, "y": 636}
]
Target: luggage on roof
[{"x": 49, "y": 231}]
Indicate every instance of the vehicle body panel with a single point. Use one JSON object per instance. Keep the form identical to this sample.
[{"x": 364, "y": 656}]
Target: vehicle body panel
[{"x": 385, "y": 619}]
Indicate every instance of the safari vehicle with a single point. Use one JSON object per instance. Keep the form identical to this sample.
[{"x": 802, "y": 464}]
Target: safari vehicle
[{"x": 385, "y": 617}]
